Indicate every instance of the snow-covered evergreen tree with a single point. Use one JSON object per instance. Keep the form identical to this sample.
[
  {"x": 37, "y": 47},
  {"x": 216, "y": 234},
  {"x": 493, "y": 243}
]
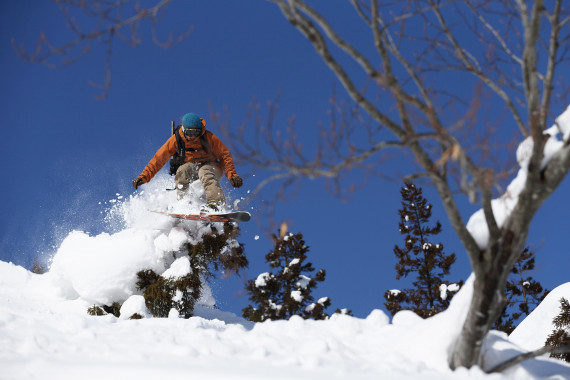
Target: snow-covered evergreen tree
[
  {"x": 181, "y": 286},
  {"x": 422, "y": 256},
  {"x": 286, "y": 290}
]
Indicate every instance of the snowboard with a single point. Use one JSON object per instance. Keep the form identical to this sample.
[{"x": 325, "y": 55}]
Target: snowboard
[{"x": 236, "y": 216}]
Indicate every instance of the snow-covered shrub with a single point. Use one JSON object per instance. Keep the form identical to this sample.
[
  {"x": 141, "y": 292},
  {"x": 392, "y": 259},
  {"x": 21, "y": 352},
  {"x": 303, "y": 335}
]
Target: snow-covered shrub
[
  {"x": 286, "y": 290},
  {"x": 146, "y": 278},
  {"x": 96, "y": 310},
  {"x": 218, "y": 251},
  {"x": 114, "y": 309},
  {"x": 180, "y": 286},
  {"x": 169, "y": 293},
  {"x": 561, "y": 335}
]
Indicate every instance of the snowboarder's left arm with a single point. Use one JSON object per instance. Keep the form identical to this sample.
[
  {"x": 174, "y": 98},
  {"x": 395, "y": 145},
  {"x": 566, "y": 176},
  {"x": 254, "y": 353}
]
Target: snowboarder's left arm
[{"x": 223, "y": 153}]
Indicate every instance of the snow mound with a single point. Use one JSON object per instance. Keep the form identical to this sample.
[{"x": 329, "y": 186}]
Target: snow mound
[
  {"x": 102, "y": 269},
  {"x": 134, "y": 305}
]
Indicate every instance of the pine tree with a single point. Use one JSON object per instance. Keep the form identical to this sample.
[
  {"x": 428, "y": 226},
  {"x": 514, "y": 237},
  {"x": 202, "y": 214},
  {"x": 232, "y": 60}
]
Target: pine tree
[
  {"x": 420, "y": 255},
  {"x": 286, "y": 290},
  {"x": 523, "y": 293},
  {"x": 561, "y": 335}
]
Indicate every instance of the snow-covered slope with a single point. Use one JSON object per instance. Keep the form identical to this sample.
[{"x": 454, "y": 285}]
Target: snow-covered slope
[
  {"x": 532, "y": 332},
  {"x": 46, "y": 335}
]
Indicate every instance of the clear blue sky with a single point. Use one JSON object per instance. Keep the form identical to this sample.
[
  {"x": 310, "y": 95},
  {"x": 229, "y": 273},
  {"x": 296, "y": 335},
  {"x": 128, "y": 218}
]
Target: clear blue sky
[{"x": 63, "y": 152}]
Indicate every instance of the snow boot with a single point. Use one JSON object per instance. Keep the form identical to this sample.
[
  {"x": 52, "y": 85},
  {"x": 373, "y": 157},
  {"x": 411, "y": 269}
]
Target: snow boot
[{"x": 210, "y": 207}]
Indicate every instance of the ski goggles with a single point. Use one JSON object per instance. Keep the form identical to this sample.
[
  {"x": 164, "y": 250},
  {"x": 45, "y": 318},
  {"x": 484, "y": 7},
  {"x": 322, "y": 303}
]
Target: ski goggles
[{"x": 191, "y": 132}]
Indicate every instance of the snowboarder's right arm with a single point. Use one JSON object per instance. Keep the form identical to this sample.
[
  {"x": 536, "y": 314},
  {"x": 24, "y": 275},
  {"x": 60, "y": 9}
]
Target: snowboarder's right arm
[{"x": 160, "y": 158}]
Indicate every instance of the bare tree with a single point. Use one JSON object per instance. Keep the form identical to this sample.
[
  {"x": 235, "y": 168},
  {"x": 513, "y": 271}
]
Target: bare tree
[
  {"x": 431, "y": 69},
  {"x": 512, "y": 47}
]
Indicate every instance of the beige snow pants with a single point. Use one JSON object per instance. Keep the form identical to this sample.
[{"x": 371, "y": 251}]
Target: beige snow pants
[{"x": 208, "y": 173}]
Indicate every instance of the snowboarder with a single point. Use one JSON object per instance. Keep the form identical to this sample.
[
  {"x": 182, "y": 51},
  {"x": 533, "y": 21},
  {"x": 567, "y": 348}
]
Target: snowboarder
[{"x": 203, "y": 156}]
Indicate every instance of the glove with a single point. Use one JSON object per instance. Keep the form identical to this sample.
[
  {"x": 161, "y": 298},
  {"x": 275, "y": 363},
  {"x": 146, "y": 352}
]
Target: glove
[
  {"x": 236, "y": 181},
  {"x": 137, "y": 182}
]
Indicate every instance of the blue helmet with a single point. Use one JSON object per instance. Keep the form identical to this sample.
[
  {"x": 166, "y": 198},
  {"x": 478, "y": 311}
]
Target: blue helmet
[
  {"x": 191, "y": 125},
  {"x": 191, "y": 120}
]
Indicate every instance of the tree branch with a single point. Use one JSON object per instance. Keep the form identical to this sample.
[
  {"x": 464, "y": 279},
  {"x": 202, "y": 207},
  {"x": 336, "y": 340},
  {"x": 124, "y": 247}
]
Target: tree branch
[
  {"x": 319, "y": 44},
  {"x": 526, "y": 356},
  {"x": 552, "y": 53},
  {"x": 465, "y": 58},
  {"x": 109, "y": 23}
]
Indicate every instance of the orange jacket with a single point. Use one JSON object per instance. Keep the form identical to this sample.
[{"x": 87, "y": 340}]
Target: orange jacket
[{"x": 219, "y": 154}]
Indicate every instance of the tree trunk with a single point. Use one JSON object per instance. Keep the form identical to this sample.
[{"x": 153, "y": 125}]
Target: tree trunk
[
  {"x": 482, "y": 314},
  {"x": 491, "y": 274}
]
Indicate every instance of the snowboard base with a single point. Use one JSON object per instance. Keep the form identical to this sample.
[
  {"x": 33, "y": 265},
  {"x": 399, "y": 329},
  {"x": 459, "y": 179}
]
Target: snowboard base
[{"x": 236, "y": 216}]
